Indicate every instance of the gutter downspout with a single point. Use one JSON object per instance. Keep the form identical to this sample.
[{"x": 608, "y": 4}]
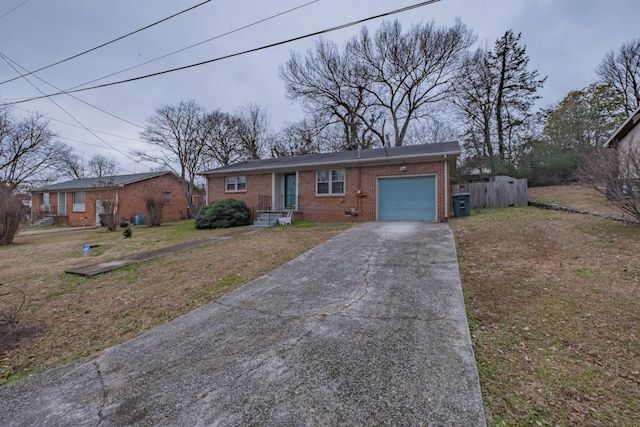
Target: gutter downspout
[
  {"x": 446, "y": 187},
  {"x": 206, "y": 190}
]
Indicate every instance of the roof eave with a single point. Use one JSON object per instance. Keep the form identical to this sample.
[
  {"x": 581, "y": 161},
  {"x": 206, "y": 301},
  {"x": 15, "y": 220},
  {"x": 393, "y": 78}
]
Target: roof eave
[
  {"x": 348, "y": 162},
  {"x": 624, "y": 129}
]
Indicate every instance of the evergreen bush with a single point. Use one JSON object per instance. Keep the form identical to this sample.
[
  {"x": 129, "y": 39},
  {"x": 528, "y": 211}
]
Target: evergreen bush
[{"x": 224, "y": 214}]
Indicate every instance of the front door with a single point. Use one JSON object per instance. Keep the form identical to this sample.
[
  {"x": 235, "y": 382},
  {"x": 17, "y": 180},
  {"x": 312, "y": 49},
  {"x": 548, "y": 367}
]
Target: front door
[
  {"x": 99, "y": 211},
  {"x": 290, "y": 191},
  {"x": 62, "y": 203}
]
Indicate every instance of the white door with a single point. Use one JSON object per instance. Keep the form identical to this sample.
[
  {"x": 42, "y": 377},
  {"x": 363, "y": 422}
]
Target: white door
[
  {"x": 99, "y": 210},
  {"x": 62, "y": 203}
]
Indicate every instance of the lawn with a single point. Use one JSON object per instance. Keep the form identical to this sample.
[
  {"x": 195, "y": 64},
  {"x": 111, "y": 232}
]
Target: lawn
[
  {"x": 554, "y": 308},
  {"x": 577, "y": 197},
  {"x": 67, "y": 317}
]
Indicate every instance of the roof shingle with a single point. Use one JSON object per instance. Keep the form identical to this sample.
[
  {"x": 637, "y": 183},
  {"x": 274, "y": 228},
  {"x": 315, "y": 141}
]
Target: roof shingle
[
  {"x": 88, "y": 183},
  {"x": 342, "y": 157}
]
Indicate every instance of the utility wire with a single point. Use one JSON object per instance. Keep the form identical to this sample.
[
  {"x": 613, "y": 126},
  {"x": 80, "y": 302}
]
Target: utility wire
[
  {"x": 197, "y": 44},
  {"x": 233, "y": 55},
  {"x": 103, "y": 44},
  {"x": 7, "y": 59},
  {"x": 27, "y": 72},
  {"x": 9, "y": 62},
  {"x": 11, "y": 10},
  {"x": 78, "y": 126},
  {"x": 93, "y": 131}
]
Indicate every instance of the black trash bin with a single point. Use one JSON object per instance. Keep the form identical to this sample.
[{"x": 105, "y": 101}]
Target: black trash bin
[{"x": 461, "y": 204}]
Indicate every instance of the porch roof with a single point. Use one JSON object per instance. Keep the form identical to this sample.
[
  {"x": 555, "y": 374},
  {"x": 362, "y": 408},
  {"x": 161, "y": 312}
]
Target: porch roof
[{"x": 410, "y": 153}]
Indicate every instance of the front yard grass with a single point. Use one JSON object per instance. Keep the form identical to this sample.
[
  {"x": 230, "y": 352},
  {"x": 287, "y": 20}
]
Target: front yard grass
[
  {"x": 554, "y": 307},
  {"x": 68, "y": 317}
]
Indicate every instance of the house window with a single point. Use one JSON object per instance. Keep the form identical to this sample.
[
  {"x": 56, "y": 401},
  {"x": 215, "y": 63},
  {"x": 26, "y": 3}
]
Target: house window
[
  {"x": 330, "y": 181},
  {"x": 78, "y": 201},
  {"x": 236, "y": 183},
  {"x": 166, "y": 198}
]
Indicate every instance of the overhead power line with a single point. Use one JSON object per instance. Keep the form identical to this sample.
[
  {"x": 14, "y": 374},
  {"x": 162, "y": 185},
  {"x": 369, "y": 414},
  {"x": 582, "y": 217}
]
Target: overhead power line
[
  {"x": 14, "y": 8},
  {"x": 10, "y": 63},
  {"x": 244, "y": 27},
  {"x": 233, "y": 55},
  {"x": 103, "y": 44}
]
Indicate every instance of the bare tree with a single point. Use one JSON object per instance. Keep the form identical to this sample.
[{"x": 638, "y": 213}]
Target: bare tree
[
  {"x": 253, "y": 130},
  {"x": 621, "y": 70},
  {"x": 515, "y": 92},
  {"x": 496, "y": 92},
  {"x": 297, "y": 139},
  {"x": 28, "y": 152},
  {"x": 390, "y": 79},
  {"x": 615, "y": 173},
  {"x": 155, "y": 208},
  {"x": 331, "y": 85},
  {"x": 11, "y": 213},
  {"x": 71, "y": 165},
  {"x": 178, "y": 134},
  {"x": 99, "y": 166},
  {"x": 475, "y": 102},
  {"x": 409, "y": 73},
  {"x": 223, "y": 145},
  {"x": 108, "y": 204}
]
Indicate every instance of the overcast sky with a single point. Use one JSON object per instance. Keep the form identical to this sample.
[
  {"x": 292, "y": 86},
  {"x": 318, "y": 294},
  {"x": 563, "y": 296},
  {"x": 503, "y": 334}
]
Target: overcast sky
[{"x": 565, "y": 40}]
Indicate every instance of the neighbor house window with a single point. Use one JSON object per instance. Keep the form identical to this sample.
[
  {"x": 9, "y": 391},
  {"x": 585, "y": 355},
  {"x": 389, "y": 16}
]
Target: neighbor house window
[
  {"x": 166, "y": 198},
  {"x": 330, "y": 181},
  {"x": 78, "y": 201},
  {"x": 236, "y": 183}
]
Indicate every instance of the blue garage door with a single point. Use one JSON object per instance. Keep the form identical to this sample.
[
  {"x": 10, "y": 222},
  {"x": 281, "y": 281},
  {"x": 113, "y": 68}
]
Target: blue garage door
[{"x": 407, "y": 198}]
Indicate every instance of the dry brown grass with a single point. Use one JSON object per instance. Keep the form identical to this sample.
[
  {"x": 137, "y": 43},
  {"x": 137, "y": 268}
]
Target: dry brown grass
[
  {"x": 69, "y": 316},
  {"x": 575, "y": 196},
  {"x": 555, "y": 313}
]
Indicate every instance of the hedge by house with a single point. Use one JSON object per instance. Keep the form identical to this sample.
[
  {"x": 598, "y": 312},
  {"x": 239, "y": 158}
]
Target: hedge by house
[{"x": 224, "y": 214}]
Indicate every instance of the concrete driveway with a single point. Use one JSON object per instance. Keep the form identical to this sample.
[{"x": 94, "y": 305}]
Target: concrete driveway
[{"x": 368, "y": 328}]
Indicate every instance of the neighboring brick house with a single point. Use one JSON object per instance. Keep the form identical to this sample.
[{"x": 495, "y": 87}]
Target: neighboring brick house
[
  {"x": 78, "y": 202},
  {"x": 398, "y": 183}
]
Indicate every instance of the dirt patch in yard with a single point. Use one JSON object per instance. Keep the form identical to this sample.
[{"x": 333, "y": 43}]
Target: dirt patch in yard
[
  {"x": 555, "y": 315},
  {"x": 67, "y": 316}
]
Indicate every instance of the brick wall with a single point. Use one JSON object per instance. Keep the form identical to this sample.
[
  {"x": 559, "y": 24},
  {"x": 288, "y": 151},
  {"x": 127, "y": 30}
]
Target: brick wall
[
  {"x": 257, "y": 185},
  {"x": 132, "y": 199},
  {"x": 330, "y": 208}
]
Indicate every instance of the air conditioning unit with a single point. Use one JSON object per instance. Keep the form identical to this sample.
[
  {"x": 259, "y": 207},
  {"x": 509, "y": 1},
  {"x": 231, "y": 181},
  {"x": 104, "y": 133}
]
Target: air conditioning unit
[{"x": 45, "y": 208}]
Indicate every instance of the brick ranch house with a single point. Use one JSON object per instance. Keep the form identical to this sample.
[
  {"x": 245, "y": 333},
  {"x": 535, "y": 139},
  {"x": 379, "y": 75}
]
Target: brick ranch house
[
  {"x": 78, "y": 202},
  {"x": 387, "y": 184}
]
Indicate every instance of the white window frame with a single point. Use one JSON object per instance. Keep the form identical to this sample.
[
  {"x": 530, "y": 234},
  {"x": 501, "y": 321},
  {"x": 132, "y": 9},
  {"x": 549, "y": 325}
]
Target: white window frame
[
  {"x": 330, "y": 181},
  {"x": 166, "y": 197},
  {"x": 235, "y": 184},
  {"x": 77, "y": 205}
]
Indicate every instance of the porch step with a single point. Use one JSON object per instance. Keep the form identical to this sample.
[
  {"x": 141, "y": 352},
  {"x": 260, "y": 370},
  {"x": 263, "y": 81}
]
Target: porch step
[{"x": 268, "y": 219}]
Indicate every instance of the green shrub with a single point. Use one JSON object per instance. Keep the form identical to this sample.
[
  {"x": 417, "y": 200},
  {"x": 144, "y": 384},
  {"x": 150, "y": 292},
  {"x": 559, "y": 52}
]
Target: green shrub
[{"x": 224, "y": 214}]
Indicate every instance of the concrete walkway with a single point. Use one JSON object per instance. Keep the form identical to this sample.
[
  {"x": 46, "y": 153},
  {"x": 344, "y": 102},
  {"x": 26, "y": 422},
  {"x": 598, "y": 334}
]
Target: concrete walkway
[
  {"x": 103, "y": 267},
  {"x": 368, "y": 328}
]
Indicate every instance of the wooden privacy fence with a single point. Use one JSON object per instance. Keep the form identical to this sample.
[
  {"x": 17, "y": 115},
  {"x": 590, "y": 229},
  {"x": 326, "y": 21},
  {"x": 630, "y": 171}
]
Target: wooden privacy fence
[{"x": 501, "y": 193}]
